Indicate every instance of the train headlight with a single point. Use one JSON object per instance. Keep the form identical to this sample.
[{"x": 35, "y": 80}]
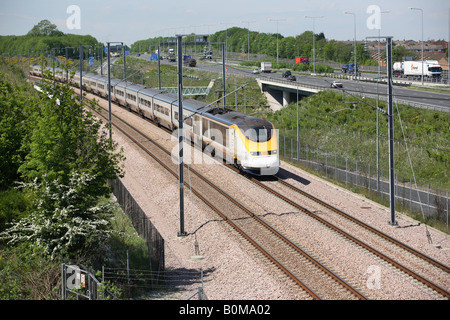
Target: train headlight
[{"x": 263, "y": 153}]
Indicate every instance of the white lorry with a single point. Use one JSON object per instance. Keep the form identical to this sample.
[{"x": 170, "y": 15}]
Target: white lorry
[
  {"x": 397, "y": 69},
  {"x": 266, "y": 67},
  {"x": 413, "y": 69}
]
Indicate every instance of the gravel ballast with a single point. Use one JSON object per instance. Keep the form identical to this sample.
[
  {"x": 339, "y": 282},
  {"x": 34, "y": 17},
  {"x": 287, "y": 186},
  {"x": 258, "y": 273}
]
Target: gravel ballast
[{"x": 231, "y": 270}]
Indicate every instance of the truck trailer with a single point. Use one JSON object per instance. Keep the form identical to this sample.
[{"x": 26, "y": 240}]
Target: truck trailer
[
  {"x": 413, "y": 69},
  {"x": 266, "y": 67}
]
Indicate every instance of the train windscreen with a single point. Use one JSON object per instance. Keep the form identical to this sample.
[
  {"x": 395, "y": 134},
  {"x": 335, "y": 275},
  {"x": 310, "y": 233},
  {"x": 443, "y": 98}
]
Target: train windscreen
[{"x": 258, "y": 133}]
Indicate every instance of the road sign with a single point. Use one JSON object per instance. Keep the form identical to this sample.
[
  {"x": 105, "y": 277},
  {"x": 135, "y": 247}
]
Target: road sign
[
  {"x": 127, "y": 53},
  {"x": 153, "y": 57},
  {"x": 91, "y": 61},
  {"x": 106, "y": 50}
]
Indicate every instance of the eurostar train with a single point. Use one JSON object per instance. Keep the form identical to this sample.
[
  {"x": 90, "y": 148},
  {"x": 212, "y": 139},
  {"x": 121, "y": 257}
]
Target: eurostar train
[{"x": 250, "y": 143}]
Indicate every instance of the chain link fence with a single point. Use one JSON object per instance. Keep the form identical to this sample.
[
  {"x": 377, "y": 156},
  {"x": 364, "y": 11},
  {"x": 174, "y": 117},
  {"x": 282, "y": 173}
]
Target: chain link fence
[
  {"x": 355, "y": 174},
  {"x": 157, "y": 280},
  {"x": 140, "y": 221}
]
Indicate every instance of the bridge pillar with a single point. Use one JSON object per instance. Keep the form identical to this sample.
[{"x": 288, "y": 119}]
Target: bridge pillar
[{"x": 286, "y": 98}]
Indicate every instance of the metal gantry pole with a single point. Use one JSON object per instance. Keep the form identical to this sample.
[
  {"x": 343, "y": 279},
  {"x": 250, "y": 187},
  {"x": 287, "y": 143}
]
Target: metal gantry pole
[
  {"x": 124, "y": 65},
  {"x": 354, "y": 41},
  {"x": 109, "y": 92},
  {"x": 159, "y": 66},
  {"x": 180, "y": 133},
  {"x": 391, "y": 132},
  {"x": 223, "y": 76},
  {"x": 81, "y": 73}
]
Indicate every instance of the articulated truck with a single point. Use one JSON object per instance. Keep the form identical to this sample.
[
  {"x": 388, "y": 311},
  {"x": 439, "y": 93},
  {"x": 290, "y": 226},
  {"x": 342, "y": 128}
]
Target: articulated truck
[{"x": 413, "y": 69}]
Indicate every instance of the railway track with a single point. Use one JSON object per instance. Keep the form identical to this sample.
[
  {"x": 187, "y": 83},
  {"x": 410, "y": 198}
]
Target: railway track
[
  {"x": 303, "y": 255},
  {"x": 431, "y": 263},
  {"x": 341, "y": 289},
  {"x": 308, "y": 273}
]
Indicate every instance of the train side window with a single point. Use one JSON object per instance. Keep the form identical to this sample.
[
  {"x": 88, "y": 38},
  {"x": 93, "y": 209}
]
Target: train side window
[
  {"x": 205, "y": 127},
  {"x": 219, "y": 131},
  {"x": 197, "y": 125}
]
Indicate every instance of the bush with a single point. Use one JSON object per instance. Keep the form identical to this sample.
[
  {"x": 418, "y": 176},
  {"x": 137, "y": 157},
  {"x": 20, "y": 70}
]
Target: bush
[
  {"x": 27, "y": 274},
  {"x": 14, "y": 205}
]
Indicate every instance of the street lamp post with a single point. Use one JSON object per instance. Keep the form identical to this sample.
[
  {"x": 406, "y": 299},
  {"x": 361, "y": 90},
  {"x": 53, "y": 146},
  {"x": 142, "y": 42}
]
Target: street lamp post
[
  {"x": 354, "y": 27},
  {"x": 314, "y": 41},
  {"x": 248, "y": 38},
  {"x": 277, "y": 20},
  {"x": 421, "y": 10}
]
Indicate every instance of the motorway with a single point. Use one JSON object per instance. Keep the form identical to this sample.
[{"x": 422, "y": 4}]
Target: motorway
[{"x": 440, "y": 100}]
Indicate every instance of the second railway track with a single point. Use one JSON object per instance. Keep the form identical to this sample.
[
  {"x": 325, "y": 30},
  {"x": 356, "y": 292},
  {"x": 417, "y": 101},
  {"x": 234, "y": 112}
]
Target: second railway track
[{"x": 314, "y": 278}]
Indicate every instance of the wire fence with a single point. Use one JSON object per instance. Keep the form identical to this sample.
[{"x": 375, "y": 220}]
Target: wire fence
[
  {"x": 356, "y": 174},
  {"x": 157, "y": 279},
  {"x": 158, "y": 284},
  {"x": 140, "y": 221}
]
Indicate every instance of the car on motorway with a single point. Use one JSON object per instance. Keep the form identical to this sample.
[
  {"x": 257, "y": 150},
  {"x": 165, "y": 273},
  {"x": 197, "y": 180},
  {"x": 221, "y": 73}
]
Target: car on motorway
[
  {"x": 291, "y": 78},
  {"x": 286, "y": 73},
  {"x": 337, "y": 84},
  {"x": 255, "y": 71}
]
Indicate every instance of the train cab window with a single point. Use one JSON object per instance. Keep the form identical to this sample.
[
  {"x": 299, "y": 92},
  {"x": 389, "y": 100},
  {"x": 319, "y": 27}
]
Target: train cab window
[{"x": 257, "y": 133}]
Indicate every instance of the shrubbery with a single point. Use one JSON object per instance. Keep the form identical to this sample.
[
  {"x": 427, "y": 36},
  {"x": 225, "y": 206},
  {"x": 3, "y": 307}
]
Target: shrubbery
[
  {"x": 57, "y": 158},
  {"x": 345, "y": 125}
]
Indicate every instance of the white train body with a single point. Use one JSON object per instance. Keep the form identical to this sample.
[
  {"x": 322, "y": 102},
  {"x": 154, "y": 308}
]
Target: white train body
[{"x": 248, "y": 142}]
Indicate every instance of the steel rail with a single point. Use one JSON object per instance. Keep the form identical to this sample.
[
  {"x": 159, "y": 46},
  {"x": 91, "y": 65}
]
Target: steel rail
[
  {"x": 366, "y": 226},
  {"x": 413, "y": 274},
  {"x": 215, "y": 209}
]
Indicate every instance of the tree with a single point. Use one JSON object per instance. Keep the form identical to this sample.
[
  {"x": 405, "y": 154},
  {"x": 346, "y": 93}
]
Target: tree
[
  {"x": 69, "y": 160},
  {"x": 66, "y": 220},
  {"x": 44, "y": 28},
  {"x": 16, "y": 107},
  {"x": 67, "y": 138}
]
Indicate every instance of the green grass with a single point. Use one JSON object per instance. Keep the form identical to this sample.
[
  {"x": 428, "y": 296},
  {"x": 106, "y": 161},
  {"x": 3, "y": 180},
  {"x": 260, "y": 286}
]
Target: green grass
[{"x": 348, "y": 128}]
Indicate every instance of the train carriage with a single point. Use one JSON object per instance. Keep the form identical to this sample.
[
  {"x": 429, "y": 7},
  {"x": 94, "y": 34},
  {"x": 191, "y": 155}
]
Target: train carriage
[
  {"x": 131, "y": 96},
  {"x": 162, "y": 109},
  {"x": 97, "y": 83},
  {"x": 145, "y": 102},
  {"x": 250, "y": 143}
]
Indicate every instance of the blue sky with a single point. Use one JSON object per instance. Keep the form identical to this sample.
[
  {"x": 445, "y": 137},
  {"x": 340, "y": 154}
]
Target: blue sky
[{"x": 130, "y": 20}]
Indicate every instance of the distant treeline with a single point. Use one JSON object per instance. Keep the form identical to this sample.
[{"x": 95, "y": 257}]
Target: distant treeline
[
  {"x": 237, "y": 40},
  {"x": 42, "y": 39}
]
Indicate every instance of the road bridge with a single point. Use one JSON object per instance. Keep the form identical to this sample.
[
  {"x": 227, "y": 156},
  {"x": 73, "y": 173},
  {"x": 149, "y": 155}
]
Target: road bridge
[{"x": 280, "y": 92}]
